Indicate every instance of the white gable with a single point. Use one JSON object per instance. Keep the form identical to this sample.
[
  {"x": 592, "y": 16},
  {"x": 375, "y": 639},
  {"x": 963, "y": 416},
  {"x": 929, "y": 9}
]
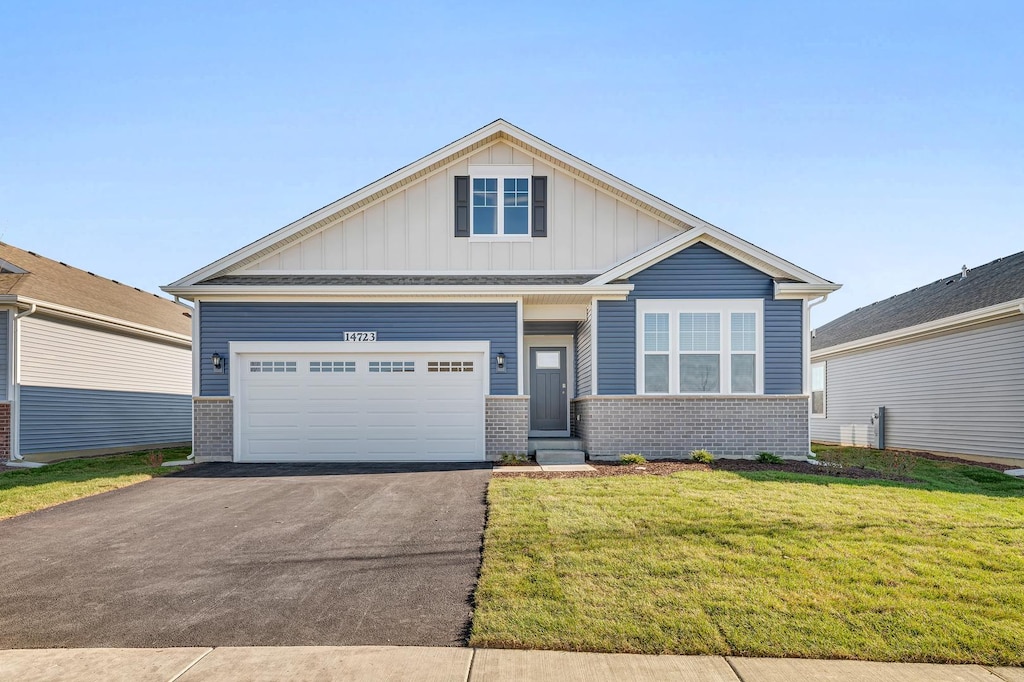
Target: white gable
[{"x": 412, "y": 229}]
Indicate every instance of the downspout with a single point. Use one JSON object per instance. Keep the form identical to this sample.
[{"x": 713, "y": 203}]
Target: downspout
[{"x": 16, "y": 386}]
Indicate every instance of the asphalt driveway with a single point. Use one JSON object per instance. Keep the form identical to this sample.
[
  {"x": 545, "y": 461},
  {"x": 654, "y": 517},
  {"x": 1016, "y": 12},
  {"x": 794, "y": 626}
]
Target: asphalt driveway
[{"x": 234, "y": 555}]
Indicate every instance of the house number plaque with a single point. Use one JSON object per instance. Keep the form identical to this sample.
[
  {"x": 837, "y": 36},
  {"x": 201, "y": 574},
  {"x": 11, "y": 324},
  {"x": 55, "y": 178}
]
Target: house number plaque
[{"x": 360, "y": 336}]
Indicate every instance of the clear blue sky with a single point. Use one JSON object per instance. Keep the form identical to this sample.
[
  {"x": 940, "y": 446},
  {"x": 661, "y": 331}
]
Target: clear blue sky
[{"x": 878, "y": 144}]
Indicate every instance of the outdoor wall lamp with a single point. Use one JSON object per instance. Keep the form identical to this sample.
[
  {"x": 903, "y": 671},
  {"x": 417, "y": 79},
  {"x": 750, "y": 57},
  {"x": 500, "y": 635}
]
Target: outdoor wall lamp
[
  {"x": 218, "y": 362},
  {"x": 500, "y": 360}
]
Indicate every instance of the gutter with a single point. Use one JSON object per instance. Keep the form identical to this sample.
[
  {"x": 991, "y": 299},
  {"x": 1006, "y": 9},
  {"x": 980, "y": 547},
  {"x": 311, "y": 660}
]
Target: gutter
[{"x": 618, "y": 291}]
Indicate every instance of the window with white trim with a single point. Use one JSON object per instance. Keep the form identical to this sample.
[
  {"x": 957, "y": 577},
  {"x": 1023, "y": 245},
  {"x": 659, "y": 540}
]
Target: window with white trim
[
  {"x": 500, "y": 206},
  {"x": 699, "y": 346},
  {"x": 818, "y": 384}
]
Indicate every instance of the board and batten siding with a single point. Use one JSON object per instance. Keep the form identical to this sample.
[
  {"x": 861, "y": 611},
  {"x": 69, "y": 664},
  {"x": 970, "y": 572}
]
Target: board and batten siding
[
  {"x": 700, "y": 271},
  {"x": 222, "y": 322},
  {"x": 583, "y": 355},
  {"x": 413, "y": 229},
  {"x": 5, "y": 350},
  {"x": 961, "y": 392},
  {"x": 84, "y": 388}
]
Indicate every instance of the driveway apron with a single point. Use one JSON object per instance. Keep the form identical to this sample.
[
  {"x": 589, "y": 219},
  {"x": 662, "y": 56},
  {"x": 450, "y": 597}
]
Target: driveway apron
[{"x": 242, "y": 555}]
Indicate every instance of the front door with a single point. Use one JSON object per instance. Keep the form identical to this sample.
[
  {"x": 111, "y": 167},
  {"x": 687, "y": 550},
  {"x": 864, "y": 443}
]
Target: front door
[{"x": 549, "y": 403}]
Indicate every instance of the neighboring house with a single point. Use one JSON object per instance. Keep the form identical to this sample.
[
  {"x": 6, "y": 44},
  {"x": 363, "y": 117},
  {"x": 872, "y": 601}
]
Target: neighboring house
[
  {"x": 87, "y": 365},
  {"x": 945, "y": 360},
  {"x": 496, "y": 290}
]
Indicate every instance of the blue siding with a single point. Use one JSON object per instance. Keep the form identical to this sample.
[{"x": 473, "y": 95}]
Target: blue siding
[
  {"x": 616, "y": 347},
  {"x": 699, "y": 271},
  {"x": 783, "y": 350},
  {"x": 60, "y": 419},
  {"x": 5, "y": 340},
  {"x": 221, "y": 323}
]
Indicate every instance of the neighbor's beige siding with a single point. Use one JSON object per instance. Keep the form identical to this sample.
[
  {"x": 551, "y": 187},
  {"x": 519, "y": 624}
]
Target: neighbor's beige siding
[
  {"x": 959, "y": 393},
  {"x": 412, "y": 230}
]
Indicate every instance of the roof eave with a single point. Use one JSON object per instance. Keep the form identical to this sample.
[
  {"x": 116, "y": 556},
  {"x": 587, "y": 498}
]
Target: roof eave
[
  {"x": 943, "y": 325},
  {"x": 190, "y": 292}
]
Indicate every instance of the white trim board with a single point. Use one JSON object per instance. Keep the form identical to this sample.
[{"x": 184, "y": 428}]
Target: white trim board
[
  {"x": 716, "y": 238},
  {"x": 497, "y": 131}
]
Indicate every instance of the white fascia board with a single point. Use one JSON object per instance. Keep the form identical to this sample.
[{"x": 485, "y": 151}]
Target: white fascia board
[
  {"x": 946, "y": 324},
  {"x": 114, "y": 323},
  {"x": 499, "y": 126},
  {"x": 797, "y": 290},
  {"x": 209, "y": 292},
  {"x": 683, "y": 240}
]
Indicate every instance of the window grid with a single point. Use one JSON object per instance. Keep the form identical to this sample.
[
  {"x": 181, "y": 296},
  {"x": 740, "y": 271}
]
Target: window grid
[
  {"x": 656, "y": 349},
  {"x": 513, "y": 218},
  {"x": 327, "y": 366},
  {"x": 448, "y": 366},
  {"x": 271, "y": 366},
  {"x": 391, "y": 366}
]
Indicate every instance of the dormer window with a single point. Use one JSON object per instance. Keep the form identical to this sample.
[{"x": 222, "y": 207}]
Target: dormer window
[{"x": 501, "y": 206}]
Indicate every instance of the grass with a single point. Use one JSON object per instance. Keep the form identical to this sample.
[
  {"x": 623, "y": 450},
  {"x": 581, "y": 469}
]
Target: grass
[
  {"x": 759, "y": 564},
  {"x": 26, "y": 490}
]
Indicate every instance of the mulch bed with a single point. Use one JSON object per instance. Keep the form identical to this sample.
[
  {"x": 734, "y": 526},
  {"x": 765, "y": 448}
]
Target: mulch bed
[{"x": 667, "y": 467}]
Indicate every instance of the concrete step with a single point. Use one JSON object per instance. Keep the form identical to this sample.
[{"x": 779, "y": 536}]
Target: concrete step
[
  {"x": 535, "y": 444},
  {"x": 561, "y": 457}
]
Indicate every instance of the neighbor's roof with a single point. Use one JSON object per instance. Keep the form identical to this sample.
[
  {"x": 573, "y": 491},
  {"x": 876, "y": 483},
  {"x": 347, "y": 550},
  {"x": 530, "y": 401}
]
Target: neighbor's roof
[
  {"x": 997, "y": 282},
  {"x": 397, "y": 280},
  {"x": 50, "y": 281}
]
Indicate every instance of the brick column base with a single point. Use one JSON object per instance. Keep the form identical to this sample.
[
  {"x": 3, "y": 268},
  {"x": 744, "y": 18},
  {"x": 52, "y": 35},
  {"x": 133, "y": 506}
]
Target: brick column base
[
  {"x": 213, "y": 429},
  {"x": 507, "y": 425},
  {"x": 5, "y": 431}
]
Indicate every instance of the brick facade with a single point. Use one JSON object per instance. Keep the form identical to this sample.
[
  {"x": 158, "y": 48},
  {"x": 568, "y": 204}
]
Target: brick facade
[
  {"x": 5, "y": 431},
  {"x": 507, "y": 420},
  {"x": 212, "y": 429},
  {"x": 669, "y": 427}
]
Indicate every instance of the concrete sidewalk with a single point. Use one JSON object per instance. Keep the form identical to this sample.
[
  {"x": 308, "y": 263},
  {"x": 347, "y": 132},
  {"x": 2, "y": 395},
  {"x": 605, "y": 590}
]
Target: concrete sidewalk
[{"x": 439, "y": 664}]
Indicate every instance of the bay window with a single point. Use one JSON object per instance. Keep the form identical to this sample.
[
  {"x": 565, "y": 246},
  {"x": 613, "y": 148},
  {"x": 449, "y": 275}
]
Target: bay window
[{"x": 699, "y": 346}]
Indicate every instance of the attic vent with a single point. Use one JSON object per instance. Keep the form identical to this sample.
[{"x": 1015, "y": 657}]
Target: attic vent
[
  {"x": 963, "y": 273},
  {"x": 90, "y": 273}
]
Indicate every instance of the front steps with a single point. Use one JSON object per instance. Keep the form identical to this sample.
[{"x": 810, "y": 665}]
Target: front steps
[
  {"x": 561, "y": 457},
  {"x": 558, "y": 450}
]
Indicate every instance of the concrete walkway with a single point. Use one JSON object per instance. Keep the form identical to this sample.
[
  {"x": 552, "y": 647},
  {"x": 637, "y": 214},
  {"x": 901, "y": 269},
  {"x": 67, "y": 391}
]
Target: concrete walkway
[{"x": 440, "y": 664}]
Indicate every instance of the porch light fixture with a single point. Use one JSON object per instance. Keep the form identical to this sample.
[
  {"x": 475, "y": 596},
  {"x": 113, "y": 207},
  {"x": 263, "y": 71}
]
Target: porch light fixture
[
  {"x": 500, "y": 360},
  {"x": 218, "y": 362}
]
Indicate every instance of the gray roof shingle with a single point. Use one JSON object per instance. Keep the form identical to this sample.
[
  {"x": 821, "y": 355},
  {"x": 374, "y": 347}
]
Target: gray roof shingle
[
  {"x": 987, "y": 285},
  {"x": 52, "y": 281},
  {"x": 396, "y": 280}
]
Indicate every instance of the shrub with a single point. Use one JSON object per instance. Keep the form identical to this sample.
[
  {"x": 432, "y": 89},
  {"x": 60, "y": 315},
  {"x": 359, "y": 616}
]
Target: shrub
[
  {"x": 769, "y": 458},
  {"x": 513, "y": 458},
  {"x": 633, "y": 458},
  {"x": 702, "y": 456},
  {"x": 155, "y": 459}
]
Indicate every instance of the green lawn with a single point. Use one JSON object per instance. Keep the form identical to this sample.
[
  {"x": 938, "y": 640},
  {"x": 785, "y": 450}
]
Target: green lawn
[
  {"x": 759, "y": 564},
  {"x": 26, "y": 490}
]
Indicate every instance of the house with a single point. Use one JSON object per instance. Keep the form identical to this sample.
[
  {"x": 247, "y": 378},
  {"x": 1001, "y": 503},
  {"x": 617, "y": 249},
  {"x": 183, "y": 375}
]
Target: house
[
  {"x": 945, "y": 360},
  {"x": 88, "y": 366},
  {"x": 496, "y": 291}
]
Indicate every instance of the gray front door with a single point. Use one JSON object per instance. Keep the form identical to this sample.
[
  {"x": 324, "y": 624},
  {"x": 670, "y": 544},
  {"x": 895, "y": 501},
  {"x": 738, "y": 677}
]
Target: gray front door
[{"x": 549, "y": 405}]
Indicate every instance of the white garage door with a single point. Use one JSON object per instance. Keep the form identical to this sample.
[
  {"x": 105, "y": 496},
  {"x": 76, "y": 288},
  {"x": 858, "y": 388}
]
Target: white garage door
[{"x": 335, "y": 407}]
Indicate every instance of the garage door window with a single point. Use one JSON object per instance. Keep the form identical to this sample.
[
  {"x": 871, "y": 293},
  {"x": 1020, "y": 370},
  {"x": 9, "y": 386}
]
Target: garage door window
[
  {"x": 267, "y": 366},
  {"x": 388, "y": 366},
  {"x": 324, "y": 366},
  {"x": 449, "y": 366}
]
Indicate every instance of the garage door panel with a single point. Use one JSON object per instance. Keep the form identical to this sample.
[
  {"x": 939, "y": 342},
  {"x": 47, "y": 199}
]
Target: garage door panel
[{"x": 334, "y": 408}]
